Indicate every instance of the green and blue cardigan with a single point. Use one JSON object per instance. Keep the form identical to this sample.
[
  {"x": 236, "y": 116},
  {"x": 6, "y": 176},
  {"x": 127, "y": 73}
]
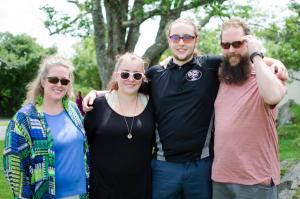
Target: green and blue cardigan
[{"x": 29, "y": 155}]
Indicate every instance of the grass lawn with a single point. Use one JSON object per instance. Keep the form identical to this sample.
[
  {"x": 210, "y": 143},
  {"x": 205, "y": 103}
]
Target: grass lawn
[
  {"x": 3, "y": 123},
  {"x": 289, "y": 138},
  {"x": 289, "y": 144}
]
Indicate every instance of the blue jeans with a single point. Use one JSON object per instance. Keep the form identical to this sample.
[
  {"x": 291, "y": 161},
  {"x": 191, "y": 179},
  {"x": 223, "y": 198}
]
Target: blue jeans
[{"x": 189, "y": 180}]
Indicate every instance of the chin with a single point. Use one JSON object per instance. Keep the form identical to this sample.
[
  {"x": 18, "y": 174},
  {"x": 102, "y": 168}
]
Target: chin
[
  {"x": 130, "y": 90},
  {"x": 183, "y": 58}
]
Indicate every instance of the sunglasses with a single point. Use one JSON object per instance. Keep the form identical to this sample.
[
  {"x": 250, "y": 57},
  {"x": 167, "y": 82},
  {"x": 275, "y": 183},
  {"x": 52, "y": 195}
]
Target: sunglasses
[
  {"x": 185, "y": 38},
  {"x": 235, "y": 44},
  {"x": 55, "y": 80},
  {"x": 135, "y": 75}
]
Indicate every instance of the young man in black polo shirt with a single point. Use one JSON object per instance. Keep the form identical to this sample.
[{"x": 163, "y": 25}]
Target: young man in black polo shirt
[{"x": 183, "y": 94}]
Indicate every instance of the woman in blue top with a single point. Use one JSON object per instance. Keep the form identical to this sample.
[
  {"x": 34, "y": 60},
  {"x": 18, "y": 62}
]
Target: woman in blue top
[{"x": 46, "y": 148}]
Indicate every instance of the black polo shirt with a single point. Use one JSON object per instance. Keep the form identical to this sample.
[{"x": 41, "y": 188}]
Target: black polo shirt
[{"x": 183, "y": 98}]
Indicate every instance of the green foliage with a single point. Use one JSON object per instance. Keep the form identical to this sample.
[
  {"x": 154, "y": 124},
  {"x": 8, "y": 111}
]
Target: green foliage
[
  {"x": 86, "y": 71},
  {"x": 19, "y": 59},
  {"x": 284, "y": 42},
  {"x": 81, "y": 25},
  {"x": 209, "y": 42}
]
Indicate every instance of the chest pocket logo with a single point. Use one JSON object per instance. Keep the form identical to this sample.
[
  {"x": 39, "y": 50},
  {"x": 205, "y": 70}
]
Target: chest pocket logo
[{"x": 193, "y": 75}]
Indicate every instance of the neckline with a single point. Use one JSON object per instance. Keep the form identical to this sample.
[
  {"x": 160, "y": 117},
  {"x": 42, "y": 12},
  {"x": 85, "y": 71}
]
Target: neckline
[
  {"x": 137, "y": 115},
  {"x": 55, "y": 115}
]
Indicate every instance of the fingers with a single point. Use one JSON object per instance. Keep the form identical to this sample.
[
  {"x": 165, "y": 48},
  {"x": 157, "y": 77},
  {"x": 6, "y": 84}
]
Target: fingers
[
  {"x": 88, "y": 100},
  {"x": 165, "y": 62},
  {"x": 253, "y": 43},
  {"x": 85, "y": 105},
  {"x": 280, "y": 71}
]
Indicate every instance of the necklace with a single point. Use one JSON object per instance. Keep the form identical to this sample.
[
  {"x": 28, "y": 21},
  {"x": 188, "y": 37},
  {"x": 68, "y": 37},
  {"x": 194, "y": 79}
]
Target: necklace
[{"x": 129, "y": 130}]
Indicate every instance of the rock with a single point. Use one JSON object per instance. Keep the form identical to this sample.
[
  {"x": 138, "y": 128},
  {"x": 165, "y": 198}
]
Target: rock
[
  {"x": 293, "y": 175},
  {"x": 285, "y": 115},
  {"x": 290, "y": 182}
]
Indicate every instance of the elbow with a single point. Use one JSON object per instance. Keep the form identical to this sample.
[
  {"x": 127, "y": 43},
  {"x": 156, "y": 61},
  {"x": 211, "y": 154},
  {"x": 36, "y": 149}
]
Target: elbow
[{"x": 276, "y": 97}]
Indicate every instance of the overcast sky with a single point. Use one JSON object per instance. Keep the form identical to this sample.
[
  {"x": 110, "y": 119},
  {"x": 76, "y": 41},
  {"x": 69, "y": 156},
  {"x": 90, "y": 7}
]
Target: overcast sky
[{"x": 24, "y": 16}]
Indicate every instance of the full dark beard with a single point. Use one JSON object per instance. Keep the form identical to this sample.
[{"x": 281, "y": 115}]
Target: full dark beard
[{"x": 237, "y": 74}]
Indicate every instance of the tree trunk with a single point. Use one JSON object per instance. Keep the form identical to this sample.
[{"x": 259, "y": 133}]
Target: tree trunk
[{"x": 120, "y": 33}]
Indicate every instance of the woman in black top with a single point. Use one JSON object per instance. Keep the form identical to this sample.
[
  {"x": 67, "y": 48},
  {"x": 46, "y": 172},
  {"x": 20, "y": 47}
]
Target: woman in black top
[{"x": 120, "y": 132}]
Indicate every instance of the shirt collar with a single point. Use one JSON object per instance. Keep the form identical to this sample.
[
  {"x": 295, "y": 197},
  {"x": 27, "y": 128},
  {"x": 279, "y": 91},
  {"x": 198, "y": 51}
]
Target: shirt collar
[{"x": 172, "y": 65}]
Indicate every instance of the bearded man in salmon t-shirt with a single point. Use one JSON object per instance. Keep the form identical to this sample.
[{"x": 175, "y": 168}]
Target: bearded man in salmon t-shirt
[{"x": 246, "y": 162}]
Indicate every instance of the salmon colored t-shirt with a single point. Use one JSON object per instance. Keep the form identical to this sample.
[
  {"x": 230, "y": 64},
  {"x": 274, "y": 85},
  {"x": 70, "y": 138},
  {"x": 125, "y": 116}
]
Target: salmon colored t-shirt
[{"x": 246, "y": 142}]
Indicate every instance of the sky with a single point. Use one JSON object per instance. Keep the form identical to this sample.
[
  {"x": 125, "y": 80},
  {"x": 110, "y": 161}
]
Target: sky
[{"x": 30, "y": 19}]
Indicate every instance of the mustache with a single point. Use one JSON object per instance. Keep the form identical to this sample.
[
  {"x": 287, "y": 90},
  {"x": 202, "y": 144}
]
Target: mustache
[{"x": 232, "y": 55}]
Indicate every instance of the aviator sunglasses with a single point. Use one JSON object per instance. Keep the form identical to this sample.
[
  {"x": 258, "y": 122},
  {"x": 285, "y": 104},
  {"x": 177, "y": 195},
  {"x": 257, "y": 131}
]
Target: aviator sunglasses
[
  {"x": 185, "y": 38},
  {"x": 235, "y": 44},
  {"x": 55, "y": 80},
  {"x": 135, "y": 75}
]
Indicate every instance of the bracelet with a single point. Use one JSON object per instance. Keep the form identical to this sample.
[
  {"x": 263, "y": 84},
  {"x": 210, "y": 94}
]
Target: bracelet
[{"x": 255, "y": 54}]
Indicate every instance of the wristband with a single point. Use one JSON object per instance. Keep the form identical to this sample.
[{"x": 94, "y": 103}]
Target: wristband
[{"x": 256, "y": 54}]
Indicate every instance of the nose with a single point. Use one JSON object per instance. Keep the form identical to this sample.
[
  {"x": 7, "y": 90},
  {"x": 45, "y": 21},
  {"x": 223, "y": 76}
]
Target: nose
[
  {"x": 231, "y": 49},
  {"x": 131, "y": 78},
  {"x": 181, "y": 41}
]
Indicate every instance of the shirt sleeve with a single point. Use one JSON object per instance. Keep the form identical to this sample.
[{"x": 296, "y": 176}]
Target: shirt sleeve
[
  {"x": 211, "y": 61},
  {"x": 16, "y": 158}
]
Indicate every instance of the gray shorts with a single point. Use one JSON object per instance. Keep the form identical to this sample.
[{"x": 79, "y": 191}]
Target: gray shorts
[{"x": 237, "y": 191}]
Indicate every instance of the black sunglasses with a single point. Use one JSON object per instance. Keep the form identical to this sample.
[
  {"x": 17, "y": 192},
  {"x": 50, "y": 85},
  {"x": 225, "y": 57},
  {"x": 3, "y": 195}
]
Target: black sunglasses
[
  {"x": 235, "y": 44},
  {"x": 185, "y": 38},
  {"x": 55, "y": 80},
  {"x": 135, "y": 75}
]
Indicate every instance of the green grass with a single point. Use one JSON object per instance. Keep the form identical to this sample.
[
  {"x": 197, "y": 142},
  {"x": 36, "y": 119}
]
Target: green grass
[
  {"x": 289, "y": 144},
  {"x": 289, "y": 138},
  {"x": 3, "y": 123},
  {"x": 5, "y": 192}
]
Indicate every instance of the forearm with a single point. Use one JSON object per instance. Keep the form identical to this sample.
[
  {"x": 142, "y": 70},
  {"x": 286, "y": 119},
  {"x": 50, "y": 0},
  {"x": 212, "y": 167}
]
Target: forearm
[
  {"x": 269, "y": 61},
  {"x": 101, "y": 92},
  {"x": 270, "y": 87}
]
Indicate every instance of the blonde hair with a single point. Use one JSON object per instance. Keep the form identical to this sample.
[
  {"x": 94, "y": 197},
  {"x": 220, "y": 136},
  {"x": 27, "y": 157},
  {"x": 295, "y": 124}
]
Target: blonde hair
[
  {"x": 35, "y": 88},
  {"x": 187, "y": 21},
  {"x": 235, "y": 22},
  {"x": 113, "y": 85}
]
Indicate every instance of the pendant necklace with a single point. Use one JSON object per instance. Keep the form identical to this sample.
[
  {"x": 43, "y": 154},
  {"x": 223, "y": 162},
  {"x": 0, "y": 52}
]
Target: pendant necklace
[{"x": 129, "y": 130}]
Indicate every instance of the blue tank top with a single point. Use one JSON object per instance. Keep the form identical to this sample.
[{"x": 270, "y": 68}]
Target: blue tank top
[{"x": 68, "y": 143}]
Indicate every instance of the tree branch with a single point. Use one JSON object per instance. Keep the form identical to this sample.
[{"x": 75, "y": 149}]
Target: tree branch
[{"x": 160, "y": 11}]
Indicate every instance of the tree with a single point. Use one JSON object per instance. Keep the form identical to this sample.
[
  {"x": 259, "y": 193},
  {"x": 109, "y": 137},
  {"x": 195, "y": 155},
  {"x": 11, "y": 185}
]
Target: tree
[
  {"x": 284, "y": 42},
  {"x": 86, "y": 73},
  {"x": 116, "y": 23},
  {"x": 19, "y": 59}
]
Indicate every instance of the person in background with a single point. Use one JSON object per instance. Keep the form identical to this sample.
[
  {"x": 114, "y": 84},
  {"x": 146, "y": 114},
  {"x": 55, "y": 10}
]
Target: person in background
[
  {"x": 46, "y": 151},
  {"x": 120, "y": 131},
  {"x": 79, "y": 102},
  {"x": 246, "y": 163}
]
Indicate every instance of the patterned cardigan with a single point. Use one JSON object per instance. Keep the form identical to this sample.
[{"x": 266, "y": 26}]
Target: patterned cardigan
[{"x": 29, "y": 155}]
